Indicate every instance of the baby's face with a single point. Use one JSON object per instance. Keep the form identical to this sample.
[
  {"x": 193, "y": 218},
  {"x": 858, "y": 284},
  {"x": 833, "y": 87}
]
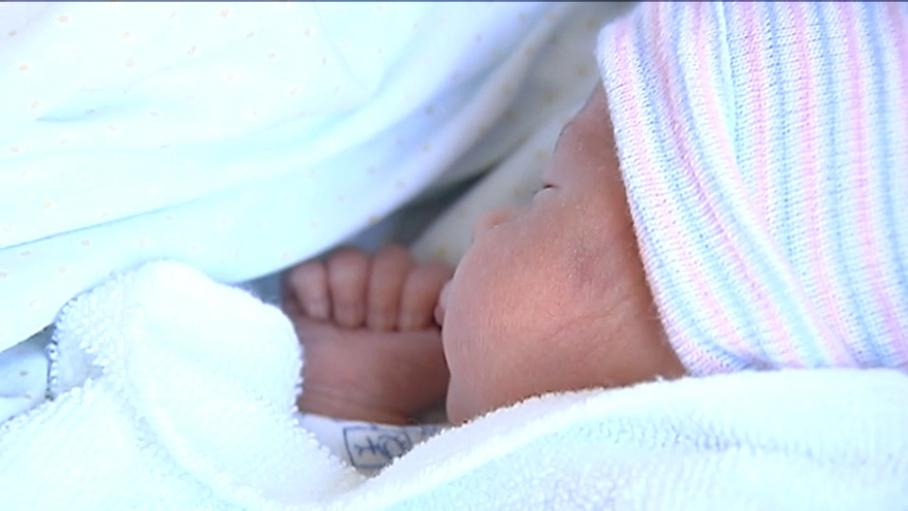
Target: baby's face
[{"x": 553, "y": 297}]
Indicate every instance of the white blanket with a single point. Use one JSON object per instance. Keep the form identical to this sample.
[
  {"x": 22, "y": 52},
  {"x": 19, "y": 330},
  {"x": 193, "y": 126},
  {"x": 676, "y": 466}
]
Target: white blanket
[
  {"x": 175, "y": 392},
  {"x": 240, "y": 138}
]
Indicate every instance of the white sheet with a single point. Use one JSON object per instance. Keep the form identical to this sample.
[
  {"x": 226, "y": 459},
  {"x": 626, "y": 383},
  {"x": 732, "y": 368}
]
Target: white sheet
[{"x": 240, "y": 138}]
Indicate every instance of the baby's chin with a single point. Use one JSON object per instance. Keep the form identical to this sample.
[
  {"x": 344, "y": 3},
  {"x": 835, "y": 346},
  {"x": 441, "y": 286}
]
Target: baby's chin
[
  {"x": 457, "y": 410},
  {"x": 461, "y": 404},
  {"x": 453, "y": 403},
  {"x": 465, "y": 401}
]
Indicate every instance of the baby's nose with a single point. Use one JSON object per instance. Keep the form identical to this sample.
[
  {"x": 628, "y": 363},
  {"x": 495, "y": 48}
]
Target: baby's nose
[{"x": 493, "y": 218}]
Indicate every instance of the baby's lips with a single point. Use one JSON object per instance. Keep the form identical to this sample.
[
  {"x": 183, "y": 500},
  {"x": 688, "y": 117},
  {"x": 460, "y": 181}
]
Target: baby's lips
[{"x": 442, "y": 303}]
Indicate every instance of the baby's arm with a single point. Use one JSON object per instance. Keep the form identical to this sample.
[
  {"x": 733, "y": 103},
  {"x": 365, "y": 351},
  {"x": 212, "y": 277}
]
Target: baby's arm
[{"x": 372, "y": 350}]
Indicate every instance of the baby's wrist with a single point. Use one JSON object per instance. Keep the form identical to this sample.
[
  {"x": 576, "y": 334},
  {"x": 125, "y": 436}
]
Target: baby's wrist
[{"x": 330, "y": 402}]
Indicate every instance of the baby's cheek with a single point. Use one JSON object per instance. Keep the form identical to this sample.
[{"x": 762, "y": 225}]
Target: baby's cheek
[
  {"x": 476, "y": 309},
  {"x": 465, "y": 368}
]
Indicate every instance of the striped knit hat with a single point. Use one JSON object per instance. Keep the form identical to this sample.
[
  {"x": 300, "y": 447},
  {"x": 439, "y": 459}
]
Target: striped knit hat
[{"x": 764, "y": 149}]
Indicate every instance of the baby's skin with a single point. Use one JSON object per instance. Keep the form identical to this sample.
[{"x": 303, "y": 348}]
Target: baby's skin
[
  {"x": 551, "y": 297},
  {"x": 373, "y": 350}
]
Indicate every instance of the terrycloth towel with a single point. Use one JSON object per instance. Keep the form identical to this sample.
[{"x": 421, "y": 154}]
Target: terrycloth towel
[
  {"x": 175, "y": 392},
  {"x": 170, "y": 390}
]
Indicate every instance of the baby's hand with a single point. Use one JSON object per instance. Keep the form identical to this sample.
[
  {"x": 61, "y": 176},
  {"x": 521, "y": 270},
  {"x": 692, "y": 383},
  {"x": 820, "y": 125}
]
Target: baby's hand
[{"x": 372, "y": 349}]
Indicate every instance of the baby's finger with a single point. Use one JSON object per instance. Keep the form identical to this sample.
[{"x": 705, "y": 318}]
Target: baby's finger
[
  {"x": 389, "y": 272},
  {"x": 348, "y": 276},
  {"x": 307, "y": 285},
  {"x": 421, "y": 290}
]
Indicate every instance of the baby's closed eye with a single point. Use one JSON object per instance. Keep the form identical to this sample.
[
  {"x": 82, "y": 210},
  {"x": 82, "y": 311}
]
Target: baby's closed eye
[{"x": 544, "y": 188}]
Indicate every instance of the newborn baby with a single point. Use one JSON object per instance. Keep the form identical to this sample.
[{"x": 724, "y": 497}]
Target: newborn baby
[
  {"x": 726, "y": 200},
  {"x": 556, "y": 285}
]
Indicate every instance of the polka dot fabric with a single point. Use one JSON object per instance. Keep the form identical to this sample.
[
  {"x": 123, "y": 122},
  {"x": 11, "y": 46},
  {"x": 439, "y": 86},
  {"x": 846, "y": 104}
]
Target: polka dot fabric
[
  {"x": 241, "y": 138},
  {"x": 557, "y": 84}
]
